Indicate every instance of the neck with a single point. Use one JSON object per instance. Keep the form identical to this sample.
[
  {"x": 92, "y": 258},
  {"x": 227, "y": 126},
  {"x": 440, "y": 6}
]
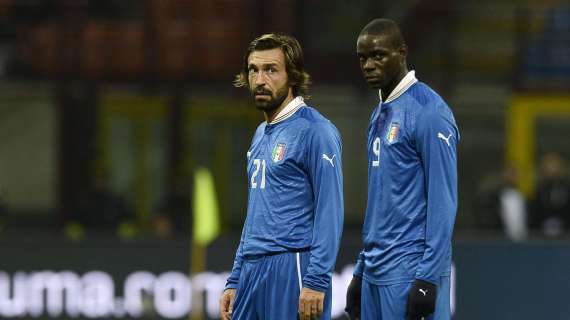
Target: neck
[
  {"x": 388, "y": 90},
  {"x": 271, "y": 114}
]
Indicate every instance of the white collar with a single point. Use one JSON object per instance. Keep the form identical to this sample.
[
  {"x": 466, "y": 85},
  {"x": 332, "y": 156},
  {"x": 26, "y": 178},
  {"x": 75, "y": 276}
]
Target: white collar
[
  {"x": 289, "y": 109},
  {"x": 404, "y": 84}
]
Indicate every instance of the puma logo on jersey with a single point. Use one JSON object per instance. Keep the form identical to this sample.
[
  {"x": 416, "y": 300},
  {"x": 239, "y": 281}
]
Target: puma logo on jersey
[
  {"x": 444, "y": 138},
  {"x": 329, "y": 159},
  {"x": 424, "y": 292}
]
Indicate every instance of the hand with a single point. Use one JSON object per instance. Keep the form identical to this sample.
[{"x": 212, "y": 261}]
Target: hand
[
  {"x": 311, "y": 304},
  {"x": 353, "y": 298},
  {"x": 227, "y": 303},
  {"x": 421, "y": 300}
]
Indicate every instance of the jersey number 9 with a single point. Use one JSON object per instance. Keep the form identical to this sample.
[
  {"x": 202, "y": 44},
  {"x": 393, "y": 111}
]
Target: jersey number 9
[{"x": 376, "y": 150}]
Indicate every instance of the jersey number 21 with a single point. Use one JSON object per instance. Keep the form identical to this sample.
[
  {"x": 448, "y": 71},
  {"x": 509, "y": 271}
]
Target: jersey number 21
[{"x": 259, "y": 164}]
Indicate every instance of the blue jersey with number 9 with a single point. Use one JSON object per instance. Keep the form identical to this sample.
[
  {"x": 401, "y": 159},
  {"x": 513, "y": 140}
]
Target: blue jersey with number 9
[{"x": 412, "y": 188}]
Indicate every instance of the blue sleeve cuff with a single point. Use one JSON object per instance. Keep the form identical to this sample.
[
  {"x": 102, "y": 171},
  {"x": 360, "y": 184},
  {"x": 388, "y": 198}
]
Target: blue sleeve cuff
[
  {"x": 358, "y": 270},
  {"x": 314, "y": 287},
  {"x": 230, "y": 285},
  {"x": 435, "y": 283},
  {"x": 320, "y": 282},
  {"x": 359, "y": 267}
]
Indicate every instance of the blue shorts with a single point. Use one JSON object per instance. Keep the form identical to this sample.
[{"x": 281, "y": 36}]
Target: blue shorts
[
  {"x": 269, "y": 287},
  {"x": 389, "y": 302}
]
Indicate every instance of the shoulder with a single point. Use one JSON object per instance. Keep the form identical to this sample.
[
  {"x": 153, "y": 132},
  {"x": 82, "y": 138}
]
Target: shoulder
[
  {"x": 317, "y": 125},
  {"x": 426, "y": 105},
  {"x": 260, "y": 128},
  {"x": 427, "y": 100},
  {"x": 424, "y": 98},
  {"x": 314, "y": 120},
  {"x": 259, "y": 131}
]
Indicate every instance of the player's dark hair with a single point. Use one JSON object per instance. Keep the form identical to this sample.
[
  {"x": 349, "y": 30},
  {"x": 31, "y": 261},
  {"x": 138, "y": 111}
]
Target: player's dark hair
[
  {"x": 385, "y": 27},
  {"x": 299, "y": 79}
]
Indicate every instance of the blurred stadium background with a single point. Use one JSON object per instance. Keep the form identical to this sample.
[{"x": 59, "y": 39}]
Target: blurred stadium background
[{"x": 122, "y": 161}]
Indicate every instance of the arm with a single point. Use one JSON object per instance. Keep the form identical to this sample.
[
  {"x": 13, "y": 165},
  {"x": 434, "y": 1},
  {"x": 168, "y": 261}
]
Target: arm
[
  {"x": 437, "y": 138},
  {"x": 325, "y": 172},
  {"x": 228, "y": 295},
  {"x": 233, "y": 279},
  {"x": 436, "y": 142}
]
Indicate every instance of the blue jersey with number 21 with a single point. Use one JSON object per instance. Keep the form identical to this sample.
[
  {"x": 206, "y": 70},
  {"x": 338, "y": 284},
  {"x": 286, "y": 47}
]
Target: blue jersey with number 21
[{"x": 295, "y": 200}]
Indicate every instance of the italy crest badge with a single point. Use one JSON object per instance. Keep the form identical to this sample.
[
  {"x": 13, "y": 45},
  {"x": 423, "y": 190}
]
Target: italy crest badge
[
  {"x": 392, "y": 135},
  {"x": 278, "y": 152}
]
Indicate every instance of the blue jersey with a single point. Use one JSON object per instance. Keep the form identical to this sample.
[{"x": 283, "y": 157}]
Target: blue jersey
[
  {"x": 295, "y": 198},
  {"x": 412, "y": 187}
]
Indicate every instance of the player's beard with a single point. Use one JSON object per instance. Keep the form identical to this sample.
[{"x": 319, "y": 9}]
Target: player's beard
[{"x": 274, "y": 102}]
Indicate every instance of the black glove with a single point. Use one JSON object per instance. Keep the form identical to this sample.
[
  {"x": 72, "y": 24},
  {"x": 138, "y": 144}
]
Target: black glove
[
  {"x": 353, "y": 298},
  {"x": 421, "y": 300}
]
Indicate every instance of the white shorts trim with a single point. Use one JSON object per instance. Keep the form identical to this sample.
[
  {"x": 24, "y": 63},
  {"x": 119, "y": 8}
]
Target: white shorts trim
[{"x": 299, "y": 271}]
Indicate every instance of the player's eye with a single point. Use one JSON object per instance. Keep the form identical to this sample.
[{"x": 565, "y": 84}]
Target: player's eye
[
  {"x": 251, "y": 70},
  {"x": 363, "y": 58},
  {"x": 379, "y": 55},
  {"x": 271, "y": 70}
]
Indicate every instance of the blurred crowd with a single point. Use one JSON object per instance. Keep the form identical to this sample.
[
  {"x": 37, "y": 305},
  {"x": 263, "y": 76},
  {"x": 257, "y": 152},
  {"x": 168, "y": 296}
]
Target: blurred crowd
[
  {"x": 156, "y": 48},
  {"x": 102, "y": 211},
  {"x": 500, "y": 206}
]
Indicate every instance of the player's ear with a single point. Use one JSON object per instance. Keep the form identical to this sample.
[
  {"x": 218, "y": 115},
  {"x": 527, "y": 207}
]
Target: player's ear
[{"x": 403, "y": 51}]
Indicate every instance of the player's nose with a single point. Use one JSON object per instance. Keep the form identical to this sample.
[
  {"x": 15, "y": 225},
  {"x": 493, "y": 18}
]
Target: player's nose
[
  {"x": 260, "y": 80},
  {"x": 368, "y": 64}
]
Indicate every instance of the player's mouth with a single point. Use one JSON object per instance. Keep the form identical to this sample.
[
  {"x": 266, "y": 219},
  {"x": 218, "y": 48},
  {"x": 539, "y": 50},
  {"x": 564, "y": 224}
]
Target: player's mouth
[
  {"x": 262, "y": 96},
  {"x": 262, "y": 93},
  {"x": 374, "y": 81},
  {"x": 372, "y": 78}
]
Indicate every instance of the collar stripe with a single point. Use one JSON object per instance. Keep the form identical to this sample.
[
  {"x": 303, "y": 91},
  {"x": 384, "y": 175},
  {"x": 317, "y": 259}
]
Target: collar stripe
[
  {"x": 404, "y": 85},
  {"x": 289, "y": 109}
]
